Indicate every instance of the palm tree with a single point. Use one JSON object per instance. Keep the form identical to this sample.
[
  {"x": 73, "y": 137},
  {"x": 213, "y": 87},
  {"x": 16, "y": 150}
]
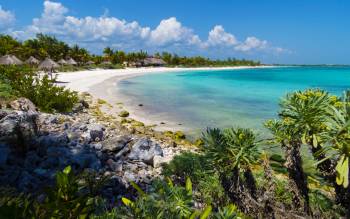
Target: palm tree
[{"x": 232, "y": 152}]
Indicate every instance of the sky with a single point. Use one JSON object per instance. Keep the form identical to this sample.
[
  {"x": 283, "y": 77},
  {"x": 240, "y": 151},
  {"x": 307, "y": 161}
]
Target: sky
[{"x": 272, "y": 31}]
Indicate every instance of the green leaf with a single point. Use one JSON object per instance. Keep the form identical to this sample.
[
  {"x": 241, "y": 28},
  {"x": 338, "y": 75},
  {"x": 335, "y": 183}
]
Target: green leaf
[
  {"x": 138, "y": 189},
  {"x": 127, "y": 202},
  {"x": 314, "y": 140},
  {"x": 206, "y": 212},
  {"x": 67, "y": 170},
  {"x": 189, "y": 186},
  {"x": 342, "y": 169}
]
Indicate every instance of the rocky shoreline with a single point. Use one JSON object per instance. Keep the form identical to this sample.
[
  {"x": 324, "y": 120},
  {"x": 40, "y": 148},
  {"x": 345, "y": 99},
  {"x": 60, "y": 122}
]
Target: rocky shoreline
[{"x": 35, "y": 145}]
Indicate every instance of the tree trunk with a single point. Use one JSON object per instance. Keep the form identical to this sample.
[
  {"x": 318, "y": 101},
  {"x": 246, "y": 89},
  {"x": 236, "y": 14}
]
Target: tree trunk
[
  {"x": 296, "y": 173},
  {"x": 327, "y": 169}
]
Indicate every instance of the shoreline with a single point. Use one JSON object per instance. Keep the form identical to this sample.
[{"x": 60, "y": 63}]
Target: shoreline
[{"x": 103, "y": 84}]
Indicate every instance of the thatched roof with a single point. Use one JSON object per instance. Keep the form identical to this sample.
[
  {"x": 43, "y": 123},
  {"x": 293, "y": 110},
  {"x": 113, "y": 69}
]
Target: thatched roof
[
  {"x": 153, "y": 61},
  {"x": 71, "y": 62},
  {"x": 62, "y": 62},
  {"x": 10, "y": 60},
  {"x": 48, "y": 64},
  {"x": 90, "y": 62},
  {"x": 32, "y": 61}
]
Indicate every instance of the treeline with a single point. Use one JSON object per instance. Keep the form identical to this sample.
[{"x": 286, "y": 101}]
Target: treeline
[
  {"x": 48, "y": 46},
  {"x": 196, "y": 61}
]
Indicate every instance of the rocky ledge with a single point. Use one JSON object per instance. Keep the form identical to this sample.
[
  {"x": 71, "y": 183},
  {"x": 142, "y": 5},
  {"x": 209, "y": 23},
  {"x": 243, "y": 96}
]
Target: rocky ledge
[{"x": 35, "y": 145}]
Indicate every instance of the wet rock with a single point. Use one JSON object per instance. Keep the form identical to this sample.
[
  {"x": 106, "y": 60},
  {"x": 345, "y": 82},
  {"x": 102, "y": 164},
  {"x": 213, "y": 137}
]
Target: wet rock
[
  {"x": 145, "y": 150},
  {"x": 116, "y": 143}
]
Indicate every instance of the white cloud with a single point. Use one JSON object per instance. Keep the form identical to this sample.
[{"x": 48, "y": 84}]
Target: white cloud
[
  {"x": 252, "y": 43},
  {"x": 7, "y": 18},
  {"x": 171, "y": 31},
  {"x": 219, "y": 37},
  {"x": 105, "y": 30}
]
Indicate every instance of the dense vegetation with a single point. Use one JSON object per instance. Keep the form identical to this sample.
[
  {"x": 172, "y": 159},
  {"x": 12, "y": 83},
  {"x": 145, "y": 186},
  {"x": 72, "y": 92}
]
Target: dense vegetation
[
  {"x": 24, "y": 82},
  {"x": 47, "y": 46},
  {"x": 229, "y": 177}
]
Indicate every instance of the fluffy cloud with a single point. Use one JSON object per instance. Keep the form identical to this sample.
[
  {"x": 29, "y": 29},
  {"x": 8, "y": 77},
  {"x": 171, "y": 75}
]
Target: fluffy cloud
[
  {"x": 251, "y": 43},
  {"x": 7, "y": 18},
  {"x": 98, "y": 32},
  {"x": 171, "y": 31},
  {"x": 219, "y": 37}
]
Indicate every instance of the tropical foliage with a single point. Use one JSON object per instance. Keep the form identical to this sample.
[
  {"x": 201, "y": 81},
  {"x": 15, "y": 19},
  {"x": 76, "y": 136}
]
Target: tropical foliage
[
  {"x": 48, "y": 46},
  {"x": 24, "y": 82}
]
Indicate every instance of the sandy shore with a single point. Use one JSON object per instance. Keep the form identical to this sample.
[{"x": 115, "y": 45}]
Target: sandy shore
[{"x": 103, "y": 84}]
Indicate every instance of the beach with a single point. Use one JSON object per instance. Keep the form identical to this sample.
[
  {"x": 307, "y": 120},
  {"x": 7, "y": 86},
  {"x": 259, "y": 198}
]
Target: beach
[{"x": 103, "y": 84}]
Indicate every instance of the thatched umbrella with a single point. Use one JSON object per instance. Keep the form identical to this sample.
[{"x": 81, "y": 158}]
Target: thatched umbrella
[
  {"x": 48, "y": 65},
  {"x": 152, "y": 61},
  {"x": 32, "y": 61},
  {"x": 62, "y": 62},
  {"x": 71, "y": 62},
  {"x": 10, "y": 60}
]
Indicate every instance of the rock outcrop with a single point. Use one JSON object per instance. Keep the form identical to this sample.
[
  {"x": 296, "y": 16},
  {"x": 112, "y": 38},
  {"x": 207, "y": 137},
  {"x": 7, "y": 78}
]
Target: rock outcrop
[{"x": 35, "y": 145}]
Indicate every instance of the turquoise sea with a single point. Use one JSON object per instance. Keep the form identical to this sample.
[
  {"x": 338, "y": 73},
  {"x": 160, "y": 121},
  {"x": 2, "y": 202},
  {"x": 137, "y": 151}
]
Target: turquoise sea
[{"x": 224, "y": 98}]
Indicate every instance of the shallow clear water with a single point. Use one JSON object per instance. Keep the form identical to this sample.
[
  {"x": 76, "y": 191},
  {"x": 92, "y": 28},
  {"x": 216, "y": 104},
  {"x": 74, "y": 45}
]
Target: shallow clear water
[{"x": 247, "y": 97}]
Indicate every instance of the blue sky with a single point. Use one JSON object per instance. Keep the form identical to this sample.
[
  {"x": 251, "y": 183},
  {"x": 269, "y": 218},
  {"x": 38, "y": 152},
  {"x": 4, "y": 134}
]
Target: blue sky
[{"x": 274, "y": 31}]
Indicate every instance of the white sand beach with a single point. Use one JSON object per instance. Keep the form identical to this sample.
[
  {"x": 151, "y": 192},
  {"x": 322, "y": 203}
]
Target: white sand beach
[
  {"x": 82, "y": 81},
  {"x": 103, "y": 84}
]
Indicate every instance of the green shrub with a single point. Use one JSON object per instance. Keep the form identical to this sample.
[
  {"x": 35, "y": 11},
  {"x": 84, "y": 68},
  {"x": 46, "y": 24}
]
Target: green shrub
[
  {"x": 187, "y": 164},
  {"x": 42, "y": 92},
  {"x": 6, "y": 91}
]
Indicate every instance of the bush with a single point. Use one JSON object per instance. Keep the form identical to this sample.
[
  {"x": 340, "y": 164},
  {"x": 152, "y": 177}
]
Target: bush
[{"x": 42, "y": 92}]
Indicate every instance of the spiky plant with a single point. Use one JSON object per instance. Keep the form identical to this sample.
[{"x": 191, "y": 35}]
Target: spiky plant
[{"x": 232, "y": 152}]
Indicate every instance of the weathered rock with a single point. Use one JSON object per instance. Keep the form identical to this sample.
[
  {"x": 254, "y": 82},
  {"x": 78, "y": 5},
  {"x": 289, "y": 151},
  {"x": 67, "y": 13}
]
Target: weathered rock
[
  {"x": 115, "y": 166},
  {"x": 18, "y": 129},
  {"x": 78, "y": 107},
  {"x": 121, "y": 153},
  {"x": 23, "y": 104},
  {"x": 96, "y": 131},
  {"x": 4, "y": 153},
  {"x": 53, "y": 140},
  {"x": 145, "y": 150},
  {"x": 116, "y": 143}
]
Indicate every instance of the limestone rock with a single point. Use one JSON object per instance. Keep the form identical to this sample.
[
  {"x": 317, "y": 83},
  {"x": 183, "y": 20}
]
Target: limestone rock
[{"x": 145, "y": 150}]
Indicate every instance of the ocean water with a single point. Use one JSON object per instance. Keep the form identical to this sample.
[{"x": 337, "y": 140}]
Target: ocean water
[{"x": 225, "y": 98}]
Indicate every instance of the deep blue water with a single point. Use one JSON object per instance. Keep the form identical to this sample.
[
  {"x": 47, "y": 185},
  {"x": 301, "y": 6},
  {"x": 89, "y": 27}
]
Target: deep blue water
[{"x": 247, "y": 97}]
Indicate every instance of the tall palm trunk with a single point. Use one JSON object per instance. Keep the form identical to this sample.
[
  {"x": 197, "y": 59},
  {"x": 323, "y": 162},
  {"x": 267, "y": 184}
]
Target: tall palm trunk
[{"x": 296, "y": 173}]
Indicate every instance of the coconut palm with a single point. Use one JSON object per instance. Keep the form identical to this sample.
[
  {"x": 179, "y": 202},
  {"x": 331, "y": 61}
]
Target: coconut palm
[{"x": 232, "y": 152}]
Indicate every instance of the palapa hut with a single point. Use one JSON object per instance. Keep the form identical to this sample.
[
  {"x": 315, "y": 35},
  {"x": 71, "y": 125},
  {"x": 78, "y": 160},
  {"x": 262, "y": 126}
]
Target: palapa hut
[
  {"x": 62, "y": 62},
  {"x": 153, "y": 61},
  {"x": 48, "y": 65},
  {"x": 10, "y": 60},
  {"x": 32, "y": 61},
  {"x": 71, "y": 62}
]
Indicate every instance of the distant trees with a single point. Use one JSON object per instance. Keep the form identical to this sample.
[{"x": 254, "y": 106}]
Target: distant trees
[{"x": 49, "y": 46}]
